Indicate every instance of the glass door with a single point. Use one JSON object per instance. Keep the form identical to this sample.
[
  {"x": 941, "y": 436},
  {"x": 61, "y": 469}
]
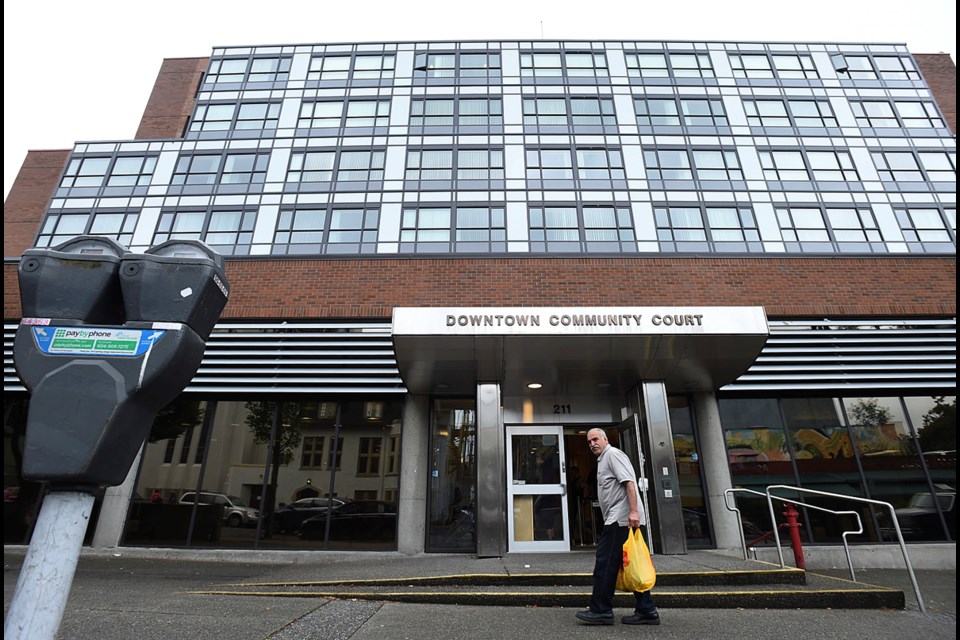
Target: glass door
[
  {"x": 629, "y": 432},
  {"x": 537, "y": 518}
]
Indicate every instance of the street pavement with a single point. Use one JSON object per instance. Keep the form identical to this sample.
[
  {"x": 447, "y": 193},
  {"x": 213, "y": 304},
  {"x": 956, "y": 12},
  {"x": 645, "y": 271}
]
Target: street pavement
[{"x": 130, "y": 594}]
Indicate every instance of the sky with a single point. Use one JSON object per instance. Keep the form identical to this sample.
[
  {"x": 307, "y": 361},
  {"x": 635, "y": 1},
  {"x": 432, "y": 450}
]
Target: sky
[{"x": 82, "y": 71}]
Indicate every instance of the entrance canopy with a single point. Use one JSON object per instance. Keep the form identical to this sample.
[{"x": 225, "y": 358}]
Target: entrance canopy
[{"x": 575, "y": 350}]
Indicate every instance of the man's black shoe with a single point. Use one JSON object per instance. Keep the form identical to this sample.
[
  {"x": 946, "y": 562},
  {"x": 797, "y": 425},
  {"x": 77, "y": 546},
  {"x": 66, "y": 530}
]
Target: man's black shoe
[
  {"x": 595, "y": 618},
  {"x": 641, "y": 618}
]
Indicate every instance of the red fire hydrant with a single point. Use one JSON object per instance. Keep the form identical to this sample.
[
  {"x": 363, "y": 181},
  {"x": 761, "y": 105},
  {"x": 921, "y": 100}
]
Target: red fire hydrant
[{"x": 794, "y": 527}]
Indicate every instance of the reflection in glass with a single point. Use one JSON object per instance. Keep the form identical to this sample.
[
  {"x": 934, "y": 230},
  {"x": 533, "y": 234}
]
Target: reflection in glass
[{"x": 452, "y": 490}]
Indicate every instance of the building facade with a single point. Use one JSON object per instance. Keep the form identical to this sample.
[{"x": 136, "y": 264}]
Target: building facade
[{"x": 448, "y": 261}]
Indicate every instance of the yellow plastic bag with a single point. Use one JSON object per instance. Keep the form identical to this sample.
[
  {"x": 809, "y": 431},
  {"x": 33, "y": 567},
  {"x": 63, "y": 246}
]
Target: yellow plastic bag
[{"x": 637, "y": 573}]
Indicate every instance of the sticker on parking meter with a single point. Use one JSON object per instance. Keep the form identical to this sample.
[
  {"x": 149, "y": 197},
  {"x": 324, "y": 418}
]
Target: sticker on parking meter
[{"x": 95, "y": 341}]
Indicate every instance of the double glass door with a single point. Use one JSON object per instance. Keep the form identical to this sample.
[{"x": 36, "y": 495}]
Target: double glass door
[{"x": 537, "y": 518}]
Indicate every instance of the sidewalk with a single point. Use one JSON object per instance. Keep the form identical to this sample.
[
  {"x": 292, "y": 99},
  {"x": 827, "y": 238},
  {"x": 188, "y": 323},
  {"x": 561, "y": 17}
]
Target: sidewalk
[{"x": 125, "y": 594}]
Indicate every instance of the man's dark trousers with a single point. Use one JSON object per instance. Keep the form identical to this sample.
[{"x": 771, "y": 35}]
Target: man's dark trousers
[{"x": 605, "y": 570}]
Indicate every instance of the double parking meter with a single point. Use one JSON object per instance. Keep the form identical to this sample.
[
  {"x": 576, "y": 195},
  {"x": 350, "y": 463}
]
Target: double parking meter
[{"x": 107, "y": 339}]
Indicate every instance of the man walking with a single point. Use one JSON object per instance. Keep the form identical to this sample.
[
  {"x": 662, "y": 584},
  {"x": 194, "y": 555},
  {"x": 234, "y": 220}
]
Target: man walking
[{"x": 621, "y": 508}]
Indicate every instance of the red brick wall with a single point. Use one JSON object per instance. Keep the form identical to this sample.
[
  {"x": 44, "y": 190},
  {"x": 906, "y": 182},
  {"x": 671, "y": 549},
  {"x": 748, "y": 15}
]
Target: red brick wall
[
  {"x": 28, "y": 198},
  {"x": 171, "y": 102},
  {"x": 811, "y": 287},
  {"x": 940, "y": 72}
]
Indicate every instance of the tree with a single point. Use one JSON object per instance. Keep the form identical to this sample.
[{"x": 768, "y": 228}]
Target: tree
[
  {"x": 175, "y": 418},
  {"x": 260, "y": 416},
  {"x": 939, "y": 431},
  {"x": 867, "y": 412}
]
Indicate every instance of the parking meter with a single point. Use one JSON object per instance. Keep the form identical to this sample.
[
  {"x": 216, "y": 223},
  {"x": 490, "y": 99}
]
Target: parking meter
[{"x": 107, "y": 339}]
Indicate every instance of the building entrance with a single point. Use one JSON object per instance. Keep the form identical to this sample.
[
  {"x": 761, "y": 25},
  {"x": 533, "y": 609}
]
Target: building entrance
[{"x": 537, "y": 514}]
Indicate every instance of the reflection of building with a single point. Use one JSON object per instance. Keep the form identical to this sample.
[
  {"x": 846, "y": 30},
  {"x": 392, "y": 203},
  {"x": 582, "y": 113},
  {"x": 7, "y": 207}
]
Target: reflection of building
[{"x": 742, "y": 245}]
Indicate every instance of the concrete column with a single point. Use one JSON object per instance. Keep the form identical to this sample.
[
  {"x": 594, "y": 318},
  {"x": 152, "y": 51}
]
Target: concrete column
[
  {"x": 113, "y": 510},
  {"x": 414, "y": 465},
  {"x": 491, "y": 474},
  {"x": 715, "y": 470}
]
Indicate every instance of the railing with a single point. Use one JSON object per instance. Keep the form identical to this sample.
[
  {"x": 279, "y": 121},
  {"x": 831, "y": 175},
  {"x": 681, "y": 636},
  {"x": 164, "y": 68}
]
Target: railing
[{"x": 770, "y": 498}]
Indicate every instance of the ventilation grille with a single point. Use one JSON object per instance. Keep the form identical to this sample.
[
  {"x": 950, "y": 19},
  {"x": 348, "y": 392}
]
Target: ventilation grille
[{"x": 852, "y": 355}]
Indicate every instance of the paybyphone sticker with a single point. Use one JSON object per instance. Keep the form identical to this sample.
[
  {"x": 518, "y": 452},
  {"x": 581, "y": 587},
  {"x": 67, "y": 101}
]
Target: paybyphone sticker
[{"x": 95, "y": 341}]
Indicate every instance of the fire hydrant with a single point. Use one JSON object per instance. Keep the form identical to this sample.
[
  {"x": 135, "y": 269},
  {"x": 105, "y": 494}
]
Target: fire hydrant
[{"x": 794, "y": 527}]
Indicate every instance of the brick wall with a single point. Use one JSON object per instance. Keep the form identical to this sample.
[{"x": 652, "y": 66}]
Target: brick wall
[
  {"x": 940, "y": 72},
  {"x": 28, "y": 198},
  {"x": 173, "y": 97},
  {"x": 810, "y": 287}
]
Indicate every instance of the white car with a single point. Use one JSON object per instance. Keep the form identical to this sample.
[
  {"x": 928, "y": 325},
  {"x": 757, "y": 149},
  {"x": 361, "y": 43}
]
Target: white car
[{"x": 236, "y": 512}]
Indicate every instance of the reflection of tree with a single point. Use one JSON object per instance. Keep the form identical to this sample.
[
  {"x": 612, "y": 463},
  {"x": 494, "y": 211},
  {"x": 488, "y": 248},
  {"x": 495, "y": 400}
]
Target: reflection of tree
[
  {"x": 260, "y": 420},
  {"x": 867, "y": 412},
  {"x": 940, "y": 426},
  {"x": 175, "y": 418}
]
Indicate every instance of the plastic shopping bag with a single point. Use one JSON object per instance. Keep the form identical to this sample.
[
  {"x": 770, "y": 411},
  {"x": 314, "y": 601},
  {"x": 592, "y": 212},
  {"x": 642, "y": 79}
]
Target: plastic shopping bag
[{"x": 637, "y": 573}]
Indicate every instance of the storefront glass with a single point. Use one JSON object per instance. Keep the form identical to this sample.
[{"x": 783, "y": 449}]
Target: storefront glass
[
  {"x": 451, "y": 499},
  {"x": 695, "y": 517}
]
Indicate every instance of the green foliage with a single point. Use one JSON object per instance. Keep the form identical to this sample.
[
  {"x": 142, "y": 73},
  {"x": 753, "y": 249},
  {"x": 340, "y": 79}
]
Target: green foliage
[
  {"x": 175, "y": 418},
  {"x": 867, "y": 412},
  {"x": 939, "y": 431},
  {"x": 289, "y": 436}
]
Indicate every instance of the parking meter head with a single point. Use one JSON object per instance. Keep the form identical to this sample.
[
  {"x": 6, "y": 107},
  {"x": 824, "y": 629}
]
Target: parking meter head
[
  {"x": 77, "y": 279},
  {"x": 177, "y": 281}
]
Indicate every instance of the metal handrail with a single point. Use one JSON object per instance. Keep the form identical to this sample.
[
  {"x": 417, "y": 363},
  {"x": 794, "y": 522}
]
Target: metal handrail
[{"x": 770, "y": 498}]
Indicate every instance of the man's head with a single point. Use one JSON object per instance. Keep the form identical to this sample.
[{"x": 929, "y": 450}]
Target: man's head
[{"x": 597, "y": 441}]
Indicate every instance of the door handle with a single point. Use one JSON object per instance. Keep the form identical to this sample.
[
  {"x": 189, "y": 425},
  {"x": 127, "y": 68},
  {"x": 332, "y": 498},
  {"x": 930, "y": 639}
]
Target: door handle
[{"x": 563, "y": 489}]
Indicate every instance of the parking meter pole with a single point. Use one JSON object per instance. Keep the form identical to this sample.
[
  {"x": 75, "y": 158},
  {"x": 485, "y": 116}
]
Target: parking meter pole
[{"x": 40, "y": 597}]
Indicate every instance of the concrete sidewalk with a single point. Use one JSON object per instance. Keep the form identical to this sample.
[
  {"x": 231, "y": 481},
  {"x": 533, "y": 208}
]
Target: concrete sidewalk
[{"x": 137, "y": 594}]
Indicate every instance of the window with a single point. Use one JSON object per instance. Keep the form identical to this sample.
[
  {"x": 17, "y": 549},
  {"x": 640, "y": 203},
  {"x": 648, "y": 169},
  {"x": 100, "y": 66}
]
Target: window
[
  {"x": 855, "y": 227},
  {"x": 897, "y": 166},
  {"x": 703, "y": 113},
  {"x": 549, "y": 164},
  {"x": 368, "y": 113},
  {"x": 896, "y": 68},
  {"x": 480, "y": 164},
  {"x": 608, "y": 229},
  {"x": 320, "y": 115},
  {"x": 85, "y": 172},
  {"x": 860, "y": 68},
  {"x": 368, "y": 458},
  {"x": 300, "y": 231},
  {"x": 426, "y": 226},
  {"x": 393, "y": 460},
  {"x": 874, "y": 114},
  {"x": 229, "y": 232},
  {"x": 831, "y": 166},
  {"x": 751, "y": 65},
  {"x": 919, "y": 115},
  {"x": 311, "y": 456},
  {"x": 681, "y": 65},
  {"x": 680, "y": 228},
  {"x": 812, "y": 113},
  {"x": 766, "y": 113},
  {"x": 924, "y": 230},
  {"x": 792, "y": 67},
  {"x": 312, "y": 166},
  {"x": 804, "y": 229},
  {"x": 600, "y": 164},
  {"x": 783, "y": 165},
  {"x": 213, "y": 117},
  {"x": 480, "y": 229},
  {"x": 464, "y": 112},
  {"x": 244, "y": 168},
  {"x": 652, "y": 112},
  {"x": 554, "y": 229},
  {"x": 582, "y": 111},
  {"x": 463, "y": 65},
  {"x": 360, "y": 166},
  {"x": 577, "y": 65},
  {"x": 353, "y": 231},
  {"x": 197, "y": 169},
  {"x": 691, "y": 112},
  {"x": 329, "y": 68},
  {"x": 335, "y": 453},
  {"x": 252, "y": 70},
  {"x": 667, "y": 164},
  {"x": 131, "y": 171},
  {"x": 258, "y": 116},
  {"x": 433, "y": 164},
  {"x": 117, "y": 226},
  {"x": 185, "y": 449},
  {"x": 365, "y": 67},
  {"x": 731, "y": 228},
  {"x": 939, "y": 166},
  {"x": 717, "y": 165}
]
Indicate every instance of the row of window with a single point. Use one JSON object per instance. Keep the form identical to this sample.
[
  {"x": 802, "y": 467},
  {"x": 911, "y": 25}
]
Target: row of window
[
  {"x": 487, "y": 65},
  {"x": 553, "y": 228},
  {"x": 445, "y": 165},
  {"x": 566, "y": 112}
]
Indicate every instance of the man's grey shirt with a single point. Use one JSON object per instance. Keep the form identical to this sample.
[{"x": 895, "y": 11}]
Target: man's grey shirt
[{"x": 613, "y": 469}]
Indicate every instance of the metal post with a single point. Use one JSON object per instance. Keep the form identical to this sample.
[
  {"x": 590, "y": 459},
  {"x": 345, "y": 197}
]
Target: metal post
[{"x": 46, "y": 576}]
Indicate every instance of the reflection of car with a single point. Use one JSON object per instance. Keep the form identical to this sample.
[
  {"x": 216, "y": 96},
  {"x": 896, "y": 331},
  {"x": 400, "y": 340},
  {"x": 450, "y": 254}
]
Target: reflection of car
[
  {"x": 236, "y": 512},
  {"x": 358, "y": 520},
  {"x": 919, "y": 520},
  {"x": 289, "y": 517}
]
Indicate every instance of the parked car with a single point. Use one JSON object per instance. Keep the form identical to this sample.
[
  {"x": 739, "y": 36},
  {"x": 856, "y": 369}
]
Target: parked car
[
  {"x": 358, "y": 520},
  {"x": 288, "y": 518},
  {"x": 919, "y": 520},
  {"x": 236, "y": 512}
]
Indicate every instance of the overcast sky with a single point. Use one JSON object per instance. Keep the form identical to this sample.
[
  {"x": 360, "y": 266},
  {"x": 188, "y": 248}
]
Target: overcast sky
[{"x": 82, "y": 70}]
